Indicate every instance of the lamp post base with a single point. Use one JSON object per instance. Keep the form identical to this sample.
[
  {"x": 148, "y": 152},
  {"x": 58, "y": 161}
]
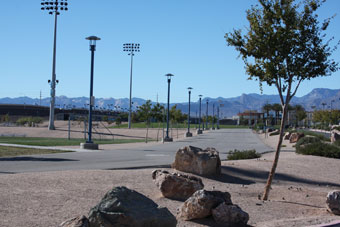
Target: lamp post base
[
  {"x": 89, "y": 146},
  {"x": 199, "y": 131},
  {"x": 188, "y": 134},
  {"x": 168, "y": 139}
]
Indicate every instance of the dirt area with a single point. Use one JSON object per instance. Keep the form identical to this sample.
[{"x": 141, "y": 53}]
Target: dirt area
[{"x": 297, "y": 197}]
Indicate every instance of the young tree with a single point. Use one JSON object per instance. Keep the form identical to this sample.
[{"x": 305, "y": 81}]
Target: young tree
[
  {"x": 157, "y": 114},
  {"x": 300, "y": 113},
  {"x": 144, "y": 113},
  {"x": 283, "y": 46}
]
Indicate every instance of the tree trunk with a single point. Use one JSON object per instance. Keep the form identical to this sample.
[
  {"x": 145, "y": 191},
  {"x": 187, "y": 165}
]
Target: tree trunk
[
  {"x": 277, "y": 155},
  {"x": 147, "y": 133}
]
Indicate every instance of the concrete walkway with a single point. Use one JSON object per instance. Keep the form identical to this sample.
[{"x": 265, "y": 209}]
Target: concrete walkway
[{"x": 132, "y": 155}]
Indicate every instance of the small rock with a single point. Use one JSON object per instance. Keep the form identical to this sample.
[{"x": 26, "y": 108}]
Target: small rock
[
  {"x": 80, "y": 221},
  {"x": 200, "y": 204},
  {"x": 175, "y": 185},
  {"x": 230, "y": 215},
  {"x": 333, "y": 202}
]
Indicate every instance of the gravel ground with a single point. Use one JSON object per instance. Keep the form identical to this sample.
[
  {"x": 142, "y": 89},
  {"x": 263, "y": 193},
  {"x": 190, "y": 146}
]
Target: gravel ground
[{"x": 297, "y": 198}]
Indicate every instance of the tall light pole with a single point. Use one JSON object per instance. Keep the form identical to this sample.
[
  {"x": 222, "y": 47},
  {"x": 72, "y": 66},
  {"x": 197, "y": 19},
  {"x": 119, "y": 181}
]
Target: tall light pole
[
  {"x": 199, "y": 131},
  {"x": 213, "y": 117},
  {"x": 131, "y": 48},
  {"x": 189, "y": 134},
  {"x": 53, "y": 7},
  {"x": 167, "y": 138},
  {"x": 89, "y": 143},
  {"x": 206, "y": 120}
]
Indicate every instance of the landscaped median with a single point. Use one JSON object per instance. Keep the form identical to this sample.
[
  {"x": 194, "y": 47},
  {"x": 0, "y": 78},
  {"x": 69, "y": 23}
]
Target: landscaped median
[
  {"x": 35, "y": 141},
  {"x": 6, "y": 151},
  {"x": 10, "y": 151}
]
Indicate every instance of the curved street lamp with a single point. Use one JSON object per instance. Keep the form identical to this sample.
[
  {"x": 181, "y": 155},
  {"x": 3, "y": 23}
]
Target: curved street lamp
[
  {"x": 199, "y": 131},
  {"x": 189, "y": 134},
  {"x": 167, "y": 138},
  {"x": 89, "y": 143}
]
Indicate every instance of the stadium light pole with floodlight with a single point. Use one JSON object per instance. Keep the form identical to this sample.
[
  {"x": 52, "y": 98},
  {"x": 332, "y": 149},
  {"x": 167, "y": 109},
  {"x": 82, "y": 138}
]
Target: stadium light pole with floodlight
[
  {"x": 54, "y": 7},
  {"x": 131, "y": 48}
]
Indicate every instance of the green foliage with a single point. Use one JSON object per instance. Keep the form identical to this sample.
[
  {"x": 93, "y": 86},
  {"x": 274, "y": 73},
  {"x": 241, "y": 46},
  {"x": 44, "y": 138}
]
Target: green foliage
[
  {"x": 30, "y": 121},
  {"x": 307, "y": 140},
  {"x": 4, "y": 118},
  {"x": 275, "y": 133},
  {"x": 315, "y": 134},
  {"x": 118, "y": 121},
  {"x": 319, "y": 149},
  {"x": 144, "y": 112},
  {"x": 326, "y": 117},
  {"x": 244, "y": 154}
]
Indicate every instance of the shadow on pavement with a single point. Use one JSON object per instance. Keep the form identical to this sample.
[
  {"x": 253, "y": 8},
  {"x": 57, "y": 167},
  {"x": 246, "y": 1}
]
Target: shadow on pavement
[
  {"x": 23, "y": 158},
  {"x": 263, "y": 175}
]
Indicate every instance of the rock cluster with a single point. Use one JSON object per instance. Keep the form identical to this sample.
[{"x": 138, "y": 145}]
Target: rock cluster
[
  {"x": 175, "y": 185},
  {"x": 216, "y": 203},
  {"x": 198, "y": 161}
]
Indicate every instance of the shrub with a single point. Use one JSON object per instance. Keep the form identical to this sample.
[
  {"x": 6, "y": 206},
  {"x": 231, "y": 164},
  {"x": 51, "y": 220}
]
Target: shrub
[
  {"x": 319, "y": 149},
  {"x": 315, "y": 134},
  {"x": 307, "y": 140},
  {"x": 29, "y": 120},
  {"x": 245, "y": 154},
  {"x": 275, "y": 133}
]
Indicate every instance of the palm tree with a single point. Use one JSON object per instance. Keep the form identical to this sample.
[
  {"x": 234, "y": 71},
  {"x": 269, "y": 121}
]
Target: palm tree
[{"x": 277, "y": 108}]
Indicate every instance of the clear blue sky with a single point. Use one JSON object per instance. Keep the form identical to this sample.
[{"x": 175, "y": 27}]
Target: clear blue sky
[{"x": 182, "y": 37}]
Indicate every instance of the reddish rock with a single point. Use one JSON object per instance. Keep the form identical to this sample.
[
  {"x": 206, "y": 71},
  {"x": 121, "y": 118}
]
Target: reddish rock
[
  {"x": 175, "y": 185},
  {"x": 295, "y": 137},
  {"x": 201, "y": 203}
]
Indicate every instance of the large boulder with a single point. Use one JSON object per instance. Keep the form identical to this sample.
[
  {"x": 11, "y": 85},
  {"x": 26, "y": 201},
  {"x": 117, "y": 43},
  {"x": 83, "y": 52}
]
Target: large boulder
[
  {"x": 333, "y": 202},
  {"x": 295, "y": 136},
  {"x": 80, "y": 221},
  {"x": 195, "y": 160},
  {"x": 175, "y": 185},
  {"x": 124, "y": 207},
  {"x": 200, "y": 204},
  {"x": 230, "y": 215}
]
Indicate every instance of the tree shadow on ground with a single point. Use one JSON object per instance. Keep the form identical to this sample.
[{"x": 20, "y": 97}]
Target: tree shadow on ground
[
  {"x": 209, "y": 221},
  {"x": 263, "y": 175},
  {"x": 24, "y": 158},
  {"x": 227, "y": 177}
]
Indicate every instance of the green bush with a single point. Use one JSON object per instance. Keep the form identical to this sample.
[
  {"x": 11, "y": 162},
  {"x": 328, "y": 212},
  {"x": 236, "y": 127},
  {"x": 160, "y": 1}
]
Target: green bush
[
  {"x": 307, "y": 140},
  {"x": 274, "y": 133},
  {"x": 245, "y": 154},
  {"x": 315, "y": 134},
  {"x": 29, "y": 120},
  {"x": 319, "y": 149}
]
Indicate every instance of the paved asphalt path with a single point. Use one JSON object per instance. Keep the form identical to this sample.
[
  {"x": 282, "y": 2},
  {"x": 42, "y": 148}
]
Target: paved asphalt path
[{"x": 157, "y": 154}]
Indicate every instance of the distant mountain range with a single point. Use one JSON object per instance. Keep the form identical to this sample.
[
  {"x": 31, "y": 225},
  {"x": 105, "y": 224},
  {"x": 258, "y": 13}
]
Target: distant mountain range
[{"x": 228, "y": 106}]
